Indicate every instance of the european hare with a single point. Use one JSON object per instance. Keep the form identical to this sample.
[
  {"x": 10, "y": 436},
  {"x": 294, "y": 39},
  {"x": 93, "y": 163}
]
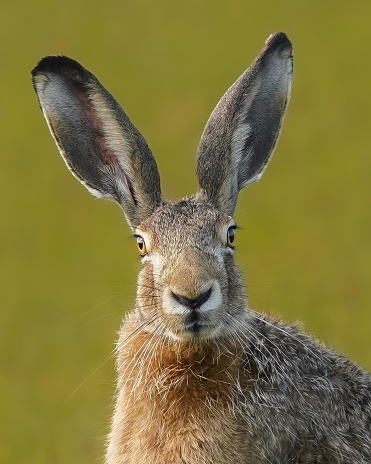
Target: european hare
[{"x": 202, "y": 378}]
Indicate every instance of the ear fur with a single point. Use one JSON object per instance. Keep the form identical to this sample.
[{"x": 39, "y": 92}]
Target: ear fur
[
  {"x": 96, "y": 139},
  {"x": 242, "y": 131}
]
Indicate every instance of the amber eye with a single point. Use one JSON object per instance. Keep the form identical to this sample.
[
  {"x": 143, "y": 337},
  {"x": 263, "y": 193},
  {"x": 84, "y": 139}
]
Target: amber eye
[
  {"x": 141, "y": 244},
  {"x": 230, "y": 236}
]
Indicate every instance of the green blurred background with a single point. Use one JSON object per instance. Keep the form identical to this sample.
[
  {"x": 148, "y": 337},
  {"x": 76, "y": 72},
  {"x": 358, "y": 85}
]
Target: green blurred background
[{"x": 68, "y": 263}]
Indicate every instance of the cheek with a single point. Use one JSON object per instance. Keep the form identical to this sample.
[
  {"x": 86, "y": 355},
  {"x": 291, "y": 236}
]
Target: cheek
[
  {"x": 147, "y": 287},
  {"x": 158, "y": 269},
  {"x": 235, "y": 284},
  {"x": 219, "y": 264}
]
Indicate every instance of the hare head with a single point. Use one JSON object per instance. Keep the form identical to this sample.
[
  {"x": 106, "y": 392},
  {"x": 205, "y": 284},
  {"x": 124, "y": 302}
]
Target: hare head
[{"x": 189, "y": 286}]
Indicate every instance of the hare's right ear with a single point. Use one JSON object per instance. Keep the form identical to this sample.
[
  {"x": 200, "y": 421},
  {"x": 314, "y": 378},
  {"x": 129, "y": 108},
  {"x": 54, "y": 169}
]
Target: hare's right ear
[
  {"x": 242, "y": 131},
  {"x": 97, "y": 140}
]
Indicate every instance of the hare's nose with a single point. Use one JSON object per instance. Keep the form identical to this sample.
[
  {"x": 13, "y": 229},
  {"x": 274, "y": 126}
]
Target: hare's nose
[{"x": 192, "y": 303}]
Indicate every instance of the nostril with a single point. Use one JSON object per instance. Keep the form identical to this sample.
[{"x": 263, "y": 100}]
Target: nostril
[
  {"x": 192, "y": 303},
  {"x": 201, "y": 299}
]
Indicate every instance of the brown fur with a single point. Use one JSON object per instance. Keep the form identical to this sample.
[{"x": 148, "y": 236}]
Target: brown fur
[
  {"x": 177, "y": 402},
  {"x": 203, "y": 379}
]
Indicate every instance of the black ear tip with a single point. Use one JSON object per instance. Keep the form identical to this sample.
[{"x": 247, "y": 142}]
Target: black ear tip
[
  {"x": 56, "y": 64},
  {"x": 278, "y": 40}
]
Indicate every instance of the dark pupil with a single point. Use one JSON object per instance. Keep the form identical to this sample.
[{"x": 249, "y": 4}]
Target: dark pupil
[
  {"x": 230, "y": 235},
  {"x": 140, "y": 243}
]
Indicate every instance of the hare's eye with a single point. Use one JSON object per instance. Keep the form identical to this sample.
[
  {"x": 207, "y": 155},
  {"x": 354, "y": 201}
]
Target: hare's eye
[
  {"x": 141, "y": 244},
  {"x": 230, "y": 236}
]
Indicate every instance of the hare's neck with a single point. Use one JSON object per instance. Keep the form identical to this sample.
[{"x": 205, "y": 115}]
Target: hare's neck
[
  {"x": 150, "y": 366},
  {"x": 168, "y": 389}
]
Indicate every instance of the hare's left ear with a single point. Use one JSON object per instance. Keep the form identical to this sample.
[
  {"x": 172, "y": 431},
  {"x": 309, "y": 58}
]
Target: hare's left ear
[
  {"x": 242, "y": 131},
  {"x": 97, "y": 140}
]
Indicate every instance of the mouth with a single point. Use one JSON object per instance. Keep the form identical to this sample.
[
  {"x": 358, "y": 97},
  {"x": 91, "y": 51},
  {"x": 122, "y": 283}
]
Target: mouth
[
  {"x": 196, "y": 330},
  {"x": 193, "y": 324}
]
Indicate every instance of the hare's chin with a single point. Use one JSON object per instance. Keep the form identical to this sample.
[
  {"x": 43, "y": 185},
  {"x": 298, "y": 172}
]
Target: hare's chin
[{"x": 195, "y": 332}]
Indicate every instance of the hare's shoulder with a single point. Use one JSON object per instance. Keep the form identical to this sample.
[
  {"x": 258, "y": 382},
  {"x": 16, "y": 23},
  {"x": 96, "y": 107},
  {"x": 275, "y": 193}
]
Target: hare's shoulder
[
  {"x": 291, "y": 359},
  {"x": 298, "y": 378}
]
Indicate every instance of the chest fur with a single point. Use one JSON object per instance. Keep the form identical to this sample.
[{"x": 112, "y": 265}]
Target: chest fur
[{"x": 182, "y": 406}]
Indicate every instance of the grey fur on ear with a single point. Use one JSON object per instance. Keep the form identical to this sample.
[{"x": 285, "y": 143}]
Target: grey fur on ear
[
  {"x": 98, "y": 142},
  {"x": 243, "y": 129}
]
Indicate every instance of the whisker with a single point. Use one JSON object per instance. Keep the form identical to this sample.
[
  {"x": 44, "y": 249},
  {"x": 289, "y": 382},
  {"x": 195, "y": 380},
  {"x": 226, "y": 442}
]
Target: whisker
[{"x": 70, "y": 396}]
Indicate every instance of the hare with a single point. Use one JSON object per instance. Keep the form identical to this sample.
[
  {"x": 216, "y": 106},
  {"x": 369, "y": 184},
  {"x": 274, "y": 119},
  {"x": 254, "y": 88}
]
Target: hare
[{"x": 201, "y": 377}]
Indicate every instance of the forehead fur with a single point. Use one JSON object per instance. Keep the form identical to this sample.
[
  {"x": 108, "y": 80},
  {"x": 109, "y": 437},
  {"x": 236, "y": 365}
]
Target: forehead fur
[{"x": 185, "y": 222}]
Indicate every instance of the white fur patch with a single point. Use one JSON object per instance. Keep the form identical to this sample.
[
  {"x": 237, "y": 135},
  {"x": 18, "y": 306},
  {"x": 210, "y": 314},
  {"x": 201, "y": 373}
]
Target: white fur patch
[{"x": 94, "y": 191}]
